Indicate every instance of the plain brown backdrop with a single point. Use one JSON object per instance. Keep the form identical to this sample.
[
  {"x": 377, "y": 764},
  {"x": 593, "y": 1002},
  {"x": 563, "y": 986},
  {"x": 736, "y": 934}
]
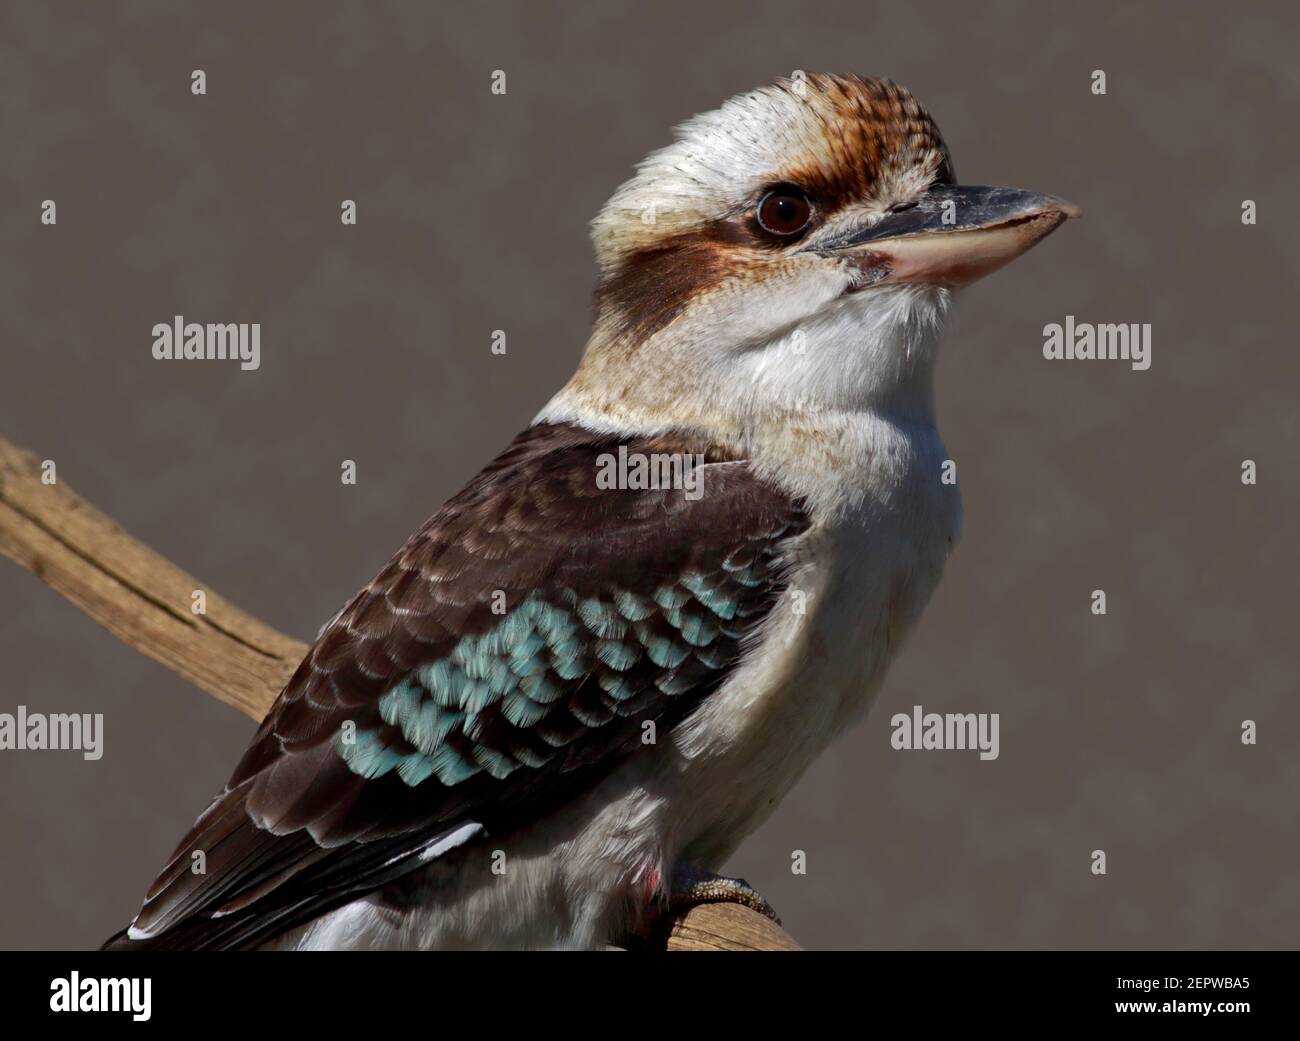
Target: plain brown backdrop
[{"x": 1119, "y": 733}]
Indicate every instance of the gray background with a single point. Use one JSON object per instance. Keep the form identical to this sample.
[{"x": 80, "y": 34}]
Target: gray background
[{"x": 1119, "y": 733}]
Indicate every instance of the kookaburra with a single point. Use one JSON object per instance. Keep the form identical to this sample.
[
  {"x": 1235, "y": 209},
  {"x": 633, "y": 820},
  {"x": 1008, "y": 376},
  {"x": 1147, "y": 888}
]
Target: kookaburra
[{"x": 565, "y": 701}]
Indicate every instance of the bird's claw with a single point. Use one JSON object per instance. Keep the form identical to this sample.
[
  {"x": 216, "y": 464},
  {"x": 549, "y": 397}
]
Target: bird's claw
[{"x": 692, "y": 885}]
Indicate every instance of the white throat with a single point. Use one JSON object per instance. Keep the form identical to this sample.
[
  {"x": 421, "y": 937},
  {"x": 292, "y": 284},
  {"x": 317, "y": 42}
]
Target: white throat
[{"x": 806, "y": 403}]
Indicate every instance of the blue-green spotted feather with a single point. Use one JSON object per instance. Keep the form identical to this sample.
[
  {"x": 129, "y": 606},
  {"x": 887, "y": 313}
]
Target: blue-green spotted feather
[{"x": 528, "y": 665}]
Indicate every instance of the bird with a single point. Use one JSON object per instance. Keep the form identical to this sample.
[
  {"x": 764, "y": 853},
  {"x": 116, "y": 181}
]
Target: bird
[{"x": 561, "y": 706}]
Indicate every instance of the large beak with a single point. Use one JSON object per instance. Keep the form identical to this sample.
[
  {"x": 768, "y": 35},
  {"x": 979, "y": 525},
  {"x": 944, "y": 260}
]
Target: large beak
[{"x": 953, "y": 235}]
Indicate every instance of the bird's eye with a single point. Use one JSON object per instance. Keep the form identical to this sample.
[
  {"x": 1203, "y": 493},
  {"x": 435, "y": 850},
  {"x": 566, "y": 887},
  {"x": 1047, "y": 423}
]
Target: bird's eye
[{"x": 784, "y": 212}]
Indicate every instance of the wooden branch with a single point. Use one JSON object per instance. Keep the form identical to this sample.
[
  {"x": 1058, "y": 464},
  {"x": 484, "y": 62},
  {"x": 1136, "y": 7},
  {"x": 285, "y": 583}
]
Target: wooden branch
[
  {"x": 142, "y": 599},
  {"x": 146, "y": 602},
  {"x": 722, "y": 927}
]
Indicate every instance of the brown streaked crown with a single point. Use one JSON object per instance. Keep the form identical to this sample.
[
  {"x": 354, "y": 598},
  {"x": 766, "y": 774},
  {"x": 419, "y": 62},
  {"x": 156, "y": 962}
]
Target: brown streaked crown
[{"x": 874, "y": 132}]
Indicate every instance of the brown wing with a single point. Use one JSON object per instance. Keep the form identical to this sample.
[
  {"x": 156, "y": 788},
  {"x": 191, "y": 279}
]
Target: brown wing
[{"x": 502, "y": 662}]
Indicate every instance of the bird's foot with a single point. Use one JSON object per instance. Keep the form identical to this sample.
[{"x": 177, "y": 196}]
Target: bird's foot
[{"x": 692, "y": 885}]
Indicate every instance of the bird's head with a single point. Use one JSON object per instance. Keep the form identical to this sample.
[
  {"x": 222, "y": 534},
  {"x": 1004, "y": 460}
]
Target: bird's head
[{"x": 793, "y": 250}]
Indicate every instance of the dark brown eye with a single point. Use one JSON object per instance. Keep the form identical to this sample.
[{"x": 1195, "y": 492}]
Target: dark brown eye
[{"x": 784, "y": 212}]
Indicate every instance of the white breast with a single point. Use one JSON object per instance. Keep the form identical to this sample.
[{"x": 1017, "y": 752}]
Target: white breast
[{"x": 862, "y": 575}]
